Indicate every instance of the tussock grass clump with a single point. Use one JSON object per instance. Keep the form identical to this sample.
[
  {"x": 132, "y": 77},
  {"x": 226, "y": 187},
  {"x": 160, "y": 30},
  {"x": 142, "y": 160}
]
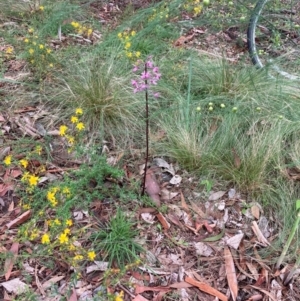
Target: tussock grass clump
[
  {"x": 234, "y": 122},
  {"x": 117, "y": 242},
  {"x": 102, "y": 89}
]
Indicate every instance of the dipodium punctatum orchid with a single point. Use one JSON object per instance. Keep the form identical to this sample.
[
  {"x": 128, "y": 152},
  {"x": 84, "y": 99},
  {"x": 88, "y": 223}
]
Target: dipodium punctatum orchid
[{"x": 149, "y": 76}]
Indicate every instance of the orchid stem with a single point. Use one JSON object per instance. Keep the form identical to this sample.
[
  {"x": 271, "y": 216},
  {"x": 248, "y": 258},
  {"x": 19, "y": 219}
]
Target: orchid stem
[{"x": 147, "y": 132}]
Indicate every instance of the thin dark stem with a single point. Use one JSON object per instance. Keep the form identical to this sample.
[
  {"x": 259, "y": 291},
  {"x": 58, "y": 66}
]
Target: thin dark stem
[{"x": 147, "y": 131}]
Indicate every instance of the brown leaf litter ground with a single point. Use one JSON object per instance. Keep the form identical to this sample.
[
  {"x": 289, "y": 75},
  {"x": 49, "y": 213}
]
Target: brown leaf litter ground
[{"x": 202, "y": 245}]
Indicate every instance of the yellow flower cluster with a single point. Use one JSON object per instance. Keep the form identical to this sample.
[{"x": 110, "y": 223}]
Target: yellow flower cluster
[
  {"x": 38, "y": 53},
  {"x": 9, "y": 52},
  {"x": 126, "y": 37},
  {"x": 115, "y": 273},
  {"x": 82, "y": 30},
  {"x": 30, "y": 179},
  {"x": 57, "y": 194},
  {"x": 30, "y": 176},
  {"x": 78, "y": 125},
  {"x": 119, "y": 296},
  {"x": 159, "y": 14},
  {"x": 7, "y": 160},
  {"x": 193, "y": 6}
]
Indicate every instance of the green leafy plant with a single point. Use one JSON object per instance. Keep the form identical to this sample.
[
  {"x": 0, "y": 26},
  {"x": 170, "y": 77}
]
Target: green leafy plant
[{"x": 117, "y": 242}]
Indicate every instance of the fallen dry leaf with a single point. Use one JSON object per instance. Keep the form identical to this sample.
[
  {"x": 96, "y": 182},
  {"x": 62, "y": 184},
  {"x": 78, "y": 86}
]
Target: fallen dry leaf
[
  {"x": 265, "y": 292},
  {"x": 235, "y": 241},
  {"x": 198, "y": 210},
  {"x": 51, "y": 281},
  {"x": 180, "y": 285},
  {"x": 216, "y": 195},
  {"x": 230, "y": 273},
  {"x": 19, "y": 220},
  {"x": 175, "y": 180},
  {"x": 255, "y": 211},
  {"x": 10, "y": 260},
  {"x": 15, "y": 286},
  {"x": 163, "y": 221},
  {"x": 11, "y": 207},
  {"x": 206, "y": 288},
  {"x": 140, "y": 298},
  {"x": 203, "y": 250},
  {"x": 255, "y": 297},
  {"x": 167, "y": 195},
  {"x": 152, "y": 187},
  {"x": 181, "y": 41},
  {"x": 141, "y": 289},
  {"x": 251, "y": 267},
  {"x": 73, "y": 297},
  {"x": 159, "y": 296},
  {"x": 260, "y": 237},
  {"x": 148, "y": 217},
  {"x": 276, "y": 290}
]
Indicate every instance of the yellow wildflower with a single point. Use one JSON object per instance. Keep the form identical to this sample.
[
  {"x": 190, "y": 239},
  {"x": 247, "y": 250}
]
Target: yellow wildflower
[
  {"x": 34, "y": 234},
  {"x": 41, "y": 8},
  {"x": 72, "y": 247},
  {"x": 9, "y": 50},
  {"x": 38, "y": 149},
  {"x": 26, "y": 40},
  {"x": 78, "y": 257},
  {"x": 48, "y": 50},
  {"x": 80, "y": 126},
  {"x": 31, "y": 30},
  {"x": 51, "y": 198},
  {"x": 26, "y": 207},
  {"x": 133, "y": 33},
  {"x": 24, "y": 162},
  {"x": 137, "y": 54},
  {"x": 51, "y": 65},
  {"x": 66, "y": 191},
  {"x": 62, "y": 130},
  {"x": 129, "y": 54},
  {"x": 45, "y": 239},
  {"x": 70, "y": 139},
  {"x": 25, "y": 176},
  {"x": 31, "y": 51},
  {"x": 120, "y": 35},
  {"x": 57, "y": 222},
  {"x": 78, "y": 111},
  {"x": 7, "y": 160},
  {"x": 41, "y": 46},
  {"x": 74, "y": 119},
  {"x": 197, "y": 10},
  {"x": 33, "y": 180},
  {"x": 67, "y": 231},
  {"x": 75, "y": 24},
  {"x": 127, "y": 45},
  {"x": 69, "y": 222},
  {"x": 63, "y": 238},
  {"x": 119, "y": 296},
  {"x": 91, "y": 255},
  {"x": 89, "y": 32},
  {"x": 55, "y": 189}
]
